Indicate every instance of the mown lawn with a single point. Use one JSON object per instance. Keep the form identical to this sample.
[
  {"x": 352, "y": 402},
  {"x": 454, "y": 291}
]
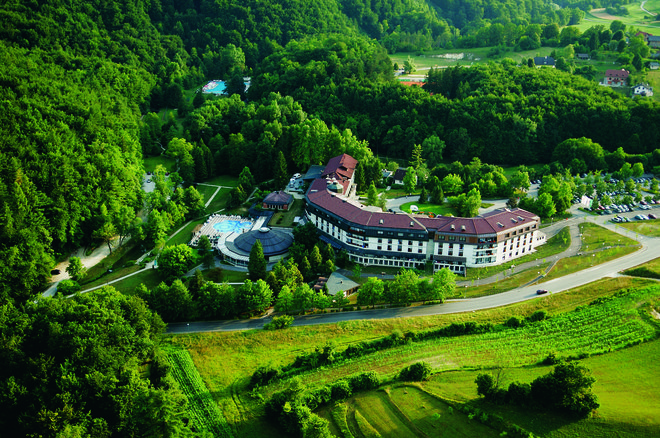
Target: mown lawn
[
  {"x": 285, "y": 218},
  {"x": 555, "y": 245},
  {"x": 168, "y": 163},
  {"x": 438, "y": 210},
  {"x": 648, "y": 270},
  {"x": 503, "y": 285},
  {"x": 629, "y": 405},
  {"x": 649, "y": 228},
  {"x": 223, "y": 180},
  {"x": 218, "y": 202}
]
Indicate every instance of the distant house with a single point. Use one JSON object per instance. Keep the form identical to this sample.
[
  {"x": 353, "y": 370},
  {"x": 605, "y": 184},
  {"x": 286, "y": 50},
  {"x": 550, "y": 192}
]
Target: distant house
[
  {"x": 642, "y": 90},
  {"x": 615, "y": 78},
  {"x": 654, "y": 41},
  {"x": 583, "y": 56},
  {"x": 654, "y": 65},
  {"x": 277, "y": 201},
  {"x": 644, "y": 35},
  {"x": 544, "y": 61},
  {"x": 399, "y": 175}
]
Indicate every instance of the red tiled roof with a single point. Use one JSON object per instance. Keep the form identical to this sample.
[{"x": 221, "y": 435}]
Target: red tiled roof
[
  {"x": 621, "y": 74},
  {"x": 341, "y": 167},
  {"x": 489, "y": 223}
]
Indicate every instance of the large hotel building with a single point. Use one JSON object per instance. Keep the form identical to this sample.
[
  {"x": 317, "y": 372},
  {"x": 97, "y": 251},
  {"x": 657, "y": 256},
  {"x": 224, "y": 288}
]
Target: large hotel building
[{"x": 405, "y": 240}]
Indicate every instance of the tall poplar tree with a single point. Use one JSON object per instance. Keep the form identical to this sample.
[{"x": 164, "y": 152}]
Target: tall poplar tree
[
  {"x": 280, "y": 172},
  {"x": 257, "y": 262}
]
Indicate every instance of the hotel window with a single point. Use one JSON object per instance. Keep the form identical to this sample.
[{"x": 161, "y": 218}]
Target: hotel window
[
  {"x": 410, "y": 242},
  {"x": 440, "y": 250},
  {"x": 380, "y": 240},
  {"x": 409, "y": 249},
  {"x": 461, "y": 239},
  {"x": 380, "y": 247},
  {"x": 419, "y": 251},
  {"x": 419, "y": 243},
  {"x": 389, "y": 247}
]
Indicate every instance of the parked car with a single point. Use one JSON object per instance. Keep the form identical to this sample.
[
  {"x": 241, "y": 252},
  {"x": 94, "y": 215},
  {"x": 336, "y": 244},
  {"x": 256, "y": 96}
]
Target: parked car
[
  {"x": 55, "y": 272},
  {"x": 541, "y": 291},
  {"x": 652, "y": 216}
]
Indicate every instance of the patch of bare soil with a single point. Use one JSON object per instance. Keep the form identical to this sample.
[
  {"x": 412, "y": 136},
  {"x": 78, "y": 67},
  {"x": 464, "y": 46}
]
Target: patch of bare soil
[{"x": 600, "y": 13}]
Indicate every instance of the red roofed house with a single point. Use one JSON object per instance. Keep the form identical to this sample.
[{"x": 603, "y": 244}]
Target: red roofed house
[
  {"x": 644, "y": 35},
  {"x": 408, "y": 241},
  {"x": 615, "y": 78},
  {"x": 277, "y": 201},
  {"x": 339, "y": 173}
]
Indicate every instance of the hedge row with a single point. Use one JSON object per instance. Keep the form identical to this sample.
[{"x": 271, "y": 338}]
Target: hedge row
[{"x": 327, "y": 355}]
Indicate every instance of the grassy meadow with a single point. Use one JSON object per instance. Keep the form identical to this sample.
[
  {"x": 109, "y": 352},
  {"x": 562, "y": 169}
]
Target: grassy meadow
[
  {"x": 227, "y": 360},
  {"x": 649, "y": 228}
]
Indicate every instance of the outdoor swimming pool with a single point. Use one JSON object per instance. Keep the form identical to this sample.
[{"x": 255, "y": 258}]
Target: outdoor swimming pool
[
  {"x": 232, "y": 226},
  {"x": 215, "y": 87}
]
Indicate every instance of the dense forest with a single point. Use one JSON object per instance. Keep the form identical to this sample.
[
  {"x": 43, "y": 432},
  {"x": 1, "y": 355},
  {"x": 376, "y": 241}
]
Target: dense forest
[{"x": 81, "y": 84}]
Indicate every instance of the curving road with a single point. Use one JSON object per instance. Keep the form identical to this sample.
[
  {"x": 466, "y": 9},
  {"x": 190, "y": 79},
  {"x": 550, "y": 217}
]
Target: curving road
[{"x": 650, "y": 249}]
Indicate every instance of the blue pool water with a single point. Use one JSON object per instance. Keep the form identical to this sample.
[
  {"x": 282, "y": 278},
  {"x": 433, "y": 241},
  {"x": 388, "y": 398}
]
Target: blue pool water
[
  {"x": 232, "y": 226},
  {"x": 215, "y": 87}
]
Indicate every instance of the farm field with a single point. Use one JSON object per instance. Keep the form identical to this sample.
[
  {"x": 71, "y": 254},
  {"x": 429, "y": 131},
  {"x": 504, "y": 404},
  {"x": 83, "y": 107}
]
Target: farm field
[
  {"x": 463, "y": 57},
  {"x": 636, "y": 18},
  {"x": 619, "y": 390},
  {"x": 201, "y": 407},
  {"x": 226, "y": 360},
  {"x": 408, "y": 411}
]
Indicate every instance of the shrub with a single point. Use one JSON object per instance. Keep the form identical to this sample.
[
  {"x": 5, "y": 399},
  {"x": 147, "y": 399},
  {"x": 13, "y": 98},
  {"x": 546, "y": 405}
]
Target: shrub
[
  {"x": 514, "y": 322},
  {"x": 279, "y": 322},
  {"x": 341, "y": 390},
  {"x": 68, "y": 287},
  {"x": 550, "y": 359},
  {"x": 539, "y": 315},
  {"x": 416, "y": 372},
  {"x": 519, "y": 393},
  {"x": 263, "y": 376},
  {"x": 364, "y": 381}
]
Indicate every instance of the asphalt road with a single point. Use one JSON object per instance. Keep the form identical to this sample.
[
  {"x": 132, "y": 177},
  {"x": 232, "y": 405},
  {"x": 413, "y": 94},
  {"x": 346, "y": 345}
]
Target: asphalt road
[{"x": 649, "y": 250}]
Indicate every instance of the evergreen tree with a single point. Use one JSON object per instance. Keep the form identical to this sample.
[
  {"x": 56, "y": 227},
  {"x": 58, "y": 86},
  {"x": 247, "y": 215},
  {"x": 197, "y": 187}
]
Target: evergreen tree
[
  {"x": 360, "y": 178},
  {"x": 280, "y": 172},
  {"x": 257, "y": 262},
  {"x": 205, "y": 249},
  {"x": 416, "y": 160},
  {"x": 372, "y": 195},
  {"x": 410, "y": 180},
  {"x": 423, "y": 196},
  {"x": 246, "y": 180}
]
